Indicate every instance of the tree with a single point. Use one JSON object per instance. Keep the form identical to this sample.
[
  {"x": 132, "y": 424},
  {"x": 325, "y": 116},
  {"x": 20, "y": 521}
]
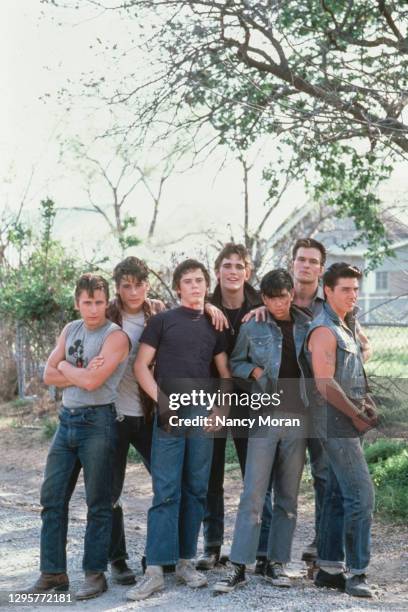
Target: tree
[
  {"x": 327, "y": 77},
  {"x": 36, "y": 293},
  {"x": 112, "y": 171}
]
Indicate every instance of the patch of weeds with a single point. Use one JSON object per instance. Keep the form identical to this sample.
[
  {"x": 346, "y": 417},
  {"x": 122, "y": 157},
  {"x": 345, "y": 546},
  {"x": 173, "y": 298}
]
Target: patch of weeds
[
  {"x": 49, "y": 427},
  {"x": 133, "y": 455}
]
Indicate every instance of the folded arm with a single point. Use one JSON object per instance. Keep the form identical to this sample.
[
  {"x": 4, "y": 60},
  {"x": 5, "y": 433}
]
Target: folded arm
[
  {"x": 115, "y": 350},
  {"x": 52, "y": 376}
]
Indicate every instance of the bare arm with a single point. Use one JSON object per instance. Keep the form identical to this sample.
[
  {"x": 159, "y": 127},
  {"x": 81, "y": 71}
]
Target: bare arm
[
  {"x": 218, "y": 318},
  {"x": 142, "y": 371},
  {"x": 322, "y": 345},
  {"x": 156, "y": 305},
  {"x": 221, "y": 363},
  {"x": 52, "y": 376},
  {"x": 115, "y": 350},
  {"x": 259, "y": 313}
]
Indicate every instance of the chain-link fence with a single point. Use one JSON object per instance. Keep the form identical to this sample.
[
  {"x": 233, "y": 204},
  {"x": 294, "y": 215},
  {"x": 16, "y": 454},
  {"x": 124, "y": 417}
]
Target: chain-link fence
[
  {"x": 389, "y": 342},
  {"x": 23, "y": 354}
]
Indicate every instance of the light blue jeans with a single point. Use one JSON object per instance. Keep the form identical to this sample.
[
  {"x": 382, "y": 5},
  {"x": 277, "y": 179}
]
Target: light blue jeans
[{"x": 283, "y": 450}]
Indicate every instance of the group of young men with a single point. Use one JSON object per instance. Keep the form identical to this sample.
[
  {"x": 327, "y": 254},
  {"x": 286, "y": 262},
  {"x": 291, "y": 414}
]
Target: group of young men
[{"x": 116, "y": 365}]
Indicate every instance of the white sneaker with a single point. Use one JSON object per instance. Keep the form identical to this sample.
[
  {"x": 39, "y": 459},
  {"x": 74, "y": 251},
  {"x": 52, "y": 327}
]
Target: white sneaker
[
  {"x": 149, "y": 584},
  {"x": 186, "y": 573}
]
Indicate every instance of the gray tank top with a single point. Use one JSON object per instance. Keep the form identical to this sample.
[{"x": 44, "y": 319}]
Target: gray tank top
[{"x": 81, "y": 345}]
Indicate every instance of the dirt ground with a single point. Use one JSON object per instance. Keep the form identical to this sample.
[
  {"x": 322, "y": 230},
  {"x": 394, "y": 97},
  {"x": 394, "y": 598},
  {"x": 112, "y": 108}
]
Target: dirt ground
[{"x": 22, "y": 458}]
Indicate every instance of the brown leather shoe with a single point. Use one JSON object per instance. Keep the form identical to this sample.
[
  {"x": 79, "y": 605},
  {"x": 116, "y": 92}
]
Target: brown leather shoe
[
  {"x": 50, "y": 582},
  {"x": 93, "y": 585}
]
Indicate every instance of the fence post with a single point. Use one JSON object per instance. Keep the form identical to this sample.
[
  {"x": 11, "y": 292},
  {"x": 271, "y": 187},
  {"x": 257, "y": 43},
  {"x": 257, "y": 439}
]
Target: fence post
[{"x": 20, "y": 359}]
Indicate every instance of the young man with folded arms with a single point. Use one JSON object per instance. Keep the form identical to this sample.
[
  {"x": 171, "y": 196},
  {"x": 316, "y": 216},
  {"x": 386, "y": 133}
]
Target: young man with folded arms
[
  {"x": 183, "y": 344},
  {"x": 270, "y": 352},
  {"x": 86, "y": 437}
]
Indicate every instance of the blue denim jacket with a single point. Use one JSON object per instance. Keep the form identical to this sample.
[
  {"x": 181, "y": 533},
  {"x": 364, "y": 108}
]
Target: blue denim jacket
[{"x": 260, "y": 345}]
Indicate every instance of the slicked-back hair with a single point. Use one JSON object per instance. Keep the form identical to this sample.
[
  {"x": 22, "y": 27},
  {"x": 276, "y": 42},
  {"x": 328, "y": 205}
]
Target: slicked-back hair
[
  {"x": 233, "y": 249},
  {"x": 309, "y": 243},
  {"x": 340, "y": 270},
  {"x": 90, "y": 283},
  {"x": 130, "y": 266},
  {"x": 187, "y": 266},
  {"x": 274, "y": 283}
]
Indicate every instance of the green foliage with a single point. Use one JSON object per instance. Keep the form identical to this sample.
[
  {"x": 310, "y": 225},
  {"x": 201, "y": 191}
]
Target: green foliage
[
  {"x": 127, "y": 240},
  {"x": 49, "y": 427},
  {"x": 40, "y": 289},
  {"x": 348, "y": 182},
  {"x": 388, "y": 464},
  {"x": 382, "y": 449},
  {"x": 133, "y": 455},
  {"x": 327, "y": 74}
]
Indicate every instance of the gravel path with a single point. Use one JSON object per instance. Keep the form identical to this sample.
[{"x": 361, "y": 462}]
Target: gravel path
[{"x": 21, "y": 463}]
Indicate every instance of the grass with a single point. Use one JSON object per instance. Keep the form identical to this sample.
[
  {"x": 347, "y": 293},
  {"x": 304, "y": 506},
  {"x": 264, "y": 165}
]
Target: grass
[{"x": 390, "y": 351}]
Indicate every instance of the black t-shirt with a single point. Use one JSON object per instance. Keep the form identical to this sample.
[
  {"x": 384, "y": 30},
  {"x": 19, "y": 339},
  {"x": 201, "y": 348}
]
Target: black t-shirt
[
  {"x": 186, "y": 343},
  {"x": 289, "y": 370},
  {"x": 234, "y": 316}
]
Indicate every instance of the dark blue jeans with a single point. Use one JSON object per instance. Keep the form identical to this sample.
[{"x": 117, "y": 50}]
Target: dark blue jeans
[
  {"x": 180, "y": 468},
  {"x": 133, "y": 431},
  {"x": 86, "y": 437}
]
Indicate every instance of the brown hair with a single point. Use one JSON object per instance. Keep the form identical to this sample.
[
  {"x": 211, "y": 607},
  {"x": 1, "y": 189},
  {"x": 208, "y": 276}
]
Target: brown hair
[
  {"x": 309, "y": 243},
  {"x": 90, "y": 283},
  {"x": 233, "y": 249},
  {"x": 130, "y": 266},
  {"x": 187, "y": 266},
  {"x": 340, "y": 270}
]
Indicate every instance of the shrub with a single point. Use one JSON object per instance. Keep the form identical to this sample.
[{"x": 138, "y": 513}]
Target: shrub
[{"x": 382, "y": 449}]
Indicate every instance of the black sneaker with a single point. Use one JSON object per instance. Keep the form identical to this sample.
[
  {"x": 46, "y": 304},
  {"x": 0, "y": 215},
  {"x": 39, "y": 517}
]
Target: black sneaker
[
  {"x": 209, "y": 559},
  {"x": 261, "y": 565},
  {"x": 236, "y": 578},
  {"x": 275, "y": 575},
  {"x": 358, "y": 587},
  {"x": 121, "y": 572},
  {"x": 330, "y": 581}
]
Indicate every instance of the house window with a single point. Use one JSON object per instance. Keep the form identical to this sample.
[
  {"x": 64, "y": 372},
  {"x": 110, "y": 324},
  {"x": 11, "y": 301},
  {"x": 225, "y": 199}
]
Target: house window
[{"x": 381, "y": 281}]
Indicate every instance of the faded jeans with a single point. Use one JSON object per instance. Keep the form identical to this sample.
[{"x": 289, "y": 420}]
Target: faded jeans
[{"x": 282, "y": 450}]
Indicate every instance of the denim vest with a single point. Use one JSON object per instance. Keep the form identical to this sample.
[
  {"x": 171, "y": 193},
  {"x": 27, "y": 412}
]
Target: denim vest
[
  {"x": 260, "y": 344},
  {"x": 349, "y": 372}
]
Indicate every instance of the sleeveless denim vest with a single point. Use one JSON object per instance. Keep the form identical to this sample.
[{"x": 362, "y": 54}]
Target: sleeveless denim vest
[{"x": 349, "y": 372}]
